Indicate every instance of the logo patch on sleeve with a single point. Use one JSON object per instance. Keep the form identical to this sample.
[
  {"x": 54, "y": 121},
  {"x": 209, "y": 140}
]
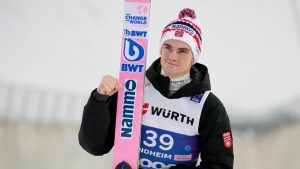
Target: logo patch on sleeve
[{"x": 227, "y": 140}]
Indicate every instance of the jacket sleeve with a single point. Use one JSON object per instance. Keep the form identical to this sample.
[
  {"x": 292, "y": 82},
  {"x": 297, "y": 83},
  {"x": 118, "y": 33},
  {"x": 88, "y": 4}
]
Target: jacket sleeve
[
  {"x": 214, "y": 130},
  {"x": 214, "y": 122},
  {"x": 96, "y": 134}
]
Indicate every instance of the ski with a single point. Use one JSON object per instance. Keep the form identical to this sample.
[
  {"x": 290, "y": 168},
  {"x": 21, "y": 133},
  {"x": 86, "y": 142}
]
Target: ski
[{"x": 131, "y": 76}]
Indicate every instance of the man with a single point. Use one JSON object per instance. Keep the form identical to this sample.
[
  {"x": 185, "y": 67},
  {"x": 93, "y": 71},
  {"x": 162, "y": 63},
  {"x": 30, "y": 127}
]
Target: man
[{"x": 183, "y": 118}]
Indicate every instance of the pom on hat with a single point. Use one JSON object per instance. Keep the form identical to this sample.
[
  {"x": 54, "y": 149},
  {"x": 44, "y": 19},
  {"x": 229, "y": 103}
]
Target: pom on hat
[{"x": 187, "y": 12}]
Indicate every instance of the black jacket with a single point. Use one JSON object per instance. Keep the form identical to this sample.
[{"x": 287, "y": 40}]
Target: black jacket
[{"x": 96, "y": 133}]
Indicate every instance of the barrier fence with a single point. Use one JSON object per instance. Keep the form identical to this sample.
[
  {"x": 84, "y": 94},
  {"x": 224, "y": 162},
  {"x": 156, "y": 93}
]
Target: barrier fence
[{"x": 24, "y": 103}]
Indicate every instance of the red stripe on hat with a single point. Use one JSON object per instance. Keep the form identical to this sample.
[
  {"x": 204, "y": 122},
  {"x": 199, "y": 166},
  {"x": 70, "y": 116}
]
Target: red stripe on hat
[
  {"x": 164, "y": 31},
  {"x": 188, "y": 21},
  {"x": 192, "y": 23},
  {"x": 196, "y": 38}
]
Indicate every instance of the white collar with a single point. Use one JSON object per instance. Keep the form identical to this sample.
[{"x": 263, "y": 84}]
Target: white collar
[{"x": 177, "y": 83}]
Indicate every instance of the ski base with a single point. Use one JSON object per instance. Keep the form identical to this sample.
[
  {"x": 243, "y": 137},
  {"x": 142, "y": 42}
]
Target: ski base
[{"x": 123, "y": 165}]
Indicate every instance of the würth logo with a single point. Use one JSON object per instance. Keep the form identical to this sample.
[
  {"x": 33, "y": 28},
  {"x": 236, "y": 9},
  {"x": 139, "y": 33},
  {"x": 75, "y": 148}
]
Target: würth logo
[{"x": 173, "y": 115}]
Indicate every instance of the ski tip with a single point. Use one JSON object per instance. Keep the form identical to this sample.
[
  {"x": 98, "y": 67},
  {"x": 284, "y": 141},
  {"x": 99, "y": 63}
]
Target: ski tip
[{"x": 123, "y": 165}]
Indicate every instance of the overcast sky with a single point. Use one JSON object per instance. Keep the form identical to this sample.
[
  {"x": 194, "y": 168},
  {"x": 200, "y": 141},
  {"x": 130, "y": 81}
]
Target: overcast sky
[{"x": 251, "y": 47}]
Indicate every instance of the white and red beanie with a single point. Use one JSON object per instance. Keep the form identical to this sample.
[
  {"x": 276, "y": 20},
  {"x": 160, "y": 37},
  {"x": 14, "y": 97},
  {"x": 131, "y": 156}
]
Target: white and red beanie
[{"x": 185, "y": 29}]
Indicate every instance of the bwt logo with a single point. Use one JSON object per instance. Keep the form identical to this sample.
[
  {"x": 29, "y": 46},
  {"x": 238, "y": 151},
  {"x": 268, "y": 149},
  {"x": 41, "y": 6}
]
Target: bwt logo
[
  {"x": 132, "y": 68},
  {"x": 132, "y": 52},
  {"x": 128, "y": 109},
  {"x": 134, "y": 33}
]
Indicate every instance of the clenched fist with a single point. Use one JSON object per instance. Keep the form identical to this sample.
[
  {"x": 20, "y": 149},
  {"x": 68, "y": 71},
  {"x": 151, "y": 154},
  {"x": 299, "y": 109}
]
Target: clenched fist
[{"x": 109, "y": 85}]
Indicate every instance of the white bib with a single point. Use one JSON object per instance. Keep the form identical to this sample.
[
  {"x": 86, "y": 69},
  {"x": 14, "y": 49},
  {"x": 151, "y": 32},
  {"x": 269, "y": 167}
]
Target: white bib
[{"x": 169, "y": 133}]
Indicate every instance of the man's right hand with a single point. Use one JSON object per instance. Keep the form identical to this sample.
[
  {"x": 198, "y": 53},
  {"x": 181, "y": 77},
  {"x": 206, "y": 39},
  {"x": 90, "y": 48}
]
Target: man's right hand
[{"x": 109, "y": 85}]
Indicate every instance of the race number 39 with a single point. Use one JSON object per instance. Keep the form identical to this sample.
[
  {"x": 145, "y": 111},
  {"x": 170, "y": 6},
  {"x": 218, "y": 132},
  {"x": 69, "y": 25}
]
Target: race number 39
[{"x": 164, "y": 141}]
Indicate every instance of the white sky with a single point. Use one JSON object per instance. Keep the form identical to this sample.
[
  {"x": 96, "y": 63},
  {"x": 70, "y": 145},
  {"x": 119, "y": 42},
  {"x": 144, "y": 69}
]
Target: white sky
[{"x": 250, "y": 46}]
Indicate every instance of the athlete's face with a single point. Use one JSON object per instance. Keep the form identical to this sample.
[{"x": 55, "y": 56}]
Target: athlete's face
[{"x": 176, "y": 58}]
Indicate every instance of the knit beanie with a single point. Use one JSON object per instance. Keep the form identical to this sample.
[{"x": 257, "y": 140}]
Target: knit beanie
[{"x": 185, "y": 29}]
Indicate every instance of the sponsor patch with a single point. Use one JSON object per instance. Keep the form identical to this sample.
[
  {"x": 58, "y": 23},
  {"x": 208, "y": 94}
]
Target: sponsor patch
[
  {"x": 183, "y": 157},
  {"x": 183, "y": 27},
  {"x": 197, "y": 98},
  {"x": 227, "y": 140},
  {"x": 179, "y": 33}
]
